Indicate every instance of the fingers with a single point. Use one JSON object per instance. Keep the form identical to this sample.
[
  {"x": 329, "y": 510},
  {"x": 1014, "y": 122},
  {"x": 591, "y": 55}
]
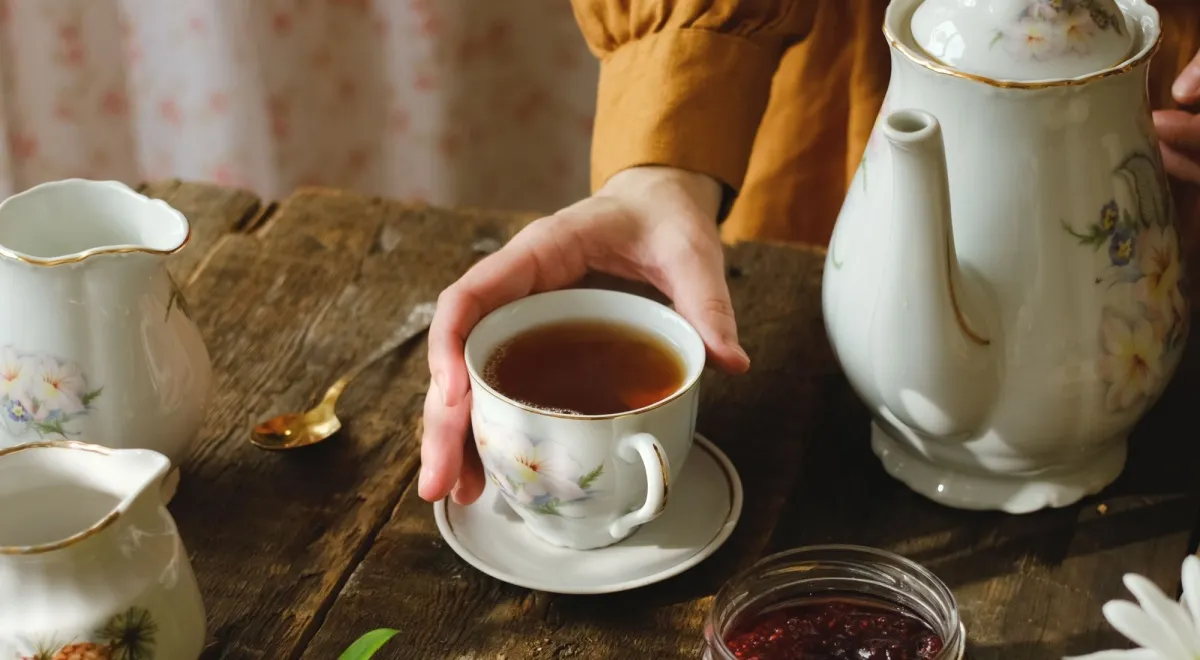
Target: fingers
[
  {"x": 1178, "y": 128},
  {"x": 1186, "y": 89},
  {"x": 540, "y": 257},
  {"x": 1180, "y": 165},
  {"x": 694, "y": 277},
  {"x": 1180, "y": 134},
  {"x": 470, "y": 480},
  {"x": 442, "y": 445}
]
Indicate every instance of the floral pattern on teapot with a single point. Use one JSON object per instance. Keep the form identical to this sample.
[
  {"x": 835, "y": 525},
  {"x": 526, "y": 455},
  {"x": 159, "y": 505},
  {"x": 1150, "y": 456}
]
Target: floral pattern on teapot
[
  {"x": 875, "y": 142},
  {"x": 128, "y": 635},
  {"x": 539, "y": 475},
  {"x": 1145, "y": 320},
  {"x": 42, "y": 393},
  {"x": 1047, "y": 29}
]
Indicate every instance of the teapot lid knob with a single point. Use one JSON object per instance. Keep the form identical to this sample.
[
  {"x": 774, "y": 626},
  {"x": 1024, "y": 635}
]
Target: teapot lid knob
[{"x": 1024, "y": 40}]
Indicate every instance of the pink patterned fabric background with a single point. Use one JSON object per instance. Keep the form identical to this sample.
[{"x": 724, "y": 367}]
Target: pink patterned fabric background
[{"x": 457, "y": 102}]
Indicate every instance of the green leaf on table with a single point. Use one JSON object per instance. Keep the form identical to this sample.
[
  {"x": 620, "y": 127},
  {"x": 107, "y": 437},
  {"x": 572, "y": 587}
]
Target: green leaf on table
[{"x": 368, "y": 645}]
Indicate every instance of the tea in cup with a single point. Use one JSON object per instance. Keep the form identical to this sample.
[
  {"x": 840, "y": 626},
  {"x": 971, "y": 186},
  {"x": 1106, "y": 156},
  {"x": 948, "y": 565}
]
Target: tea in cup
[{"x": 583, "y": 409}]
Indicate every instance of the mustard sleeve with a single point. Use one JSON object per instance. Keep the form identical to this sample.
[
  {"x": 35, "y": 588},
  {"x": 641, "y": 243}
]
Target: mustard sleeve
[{"x": 684, "y": 83}]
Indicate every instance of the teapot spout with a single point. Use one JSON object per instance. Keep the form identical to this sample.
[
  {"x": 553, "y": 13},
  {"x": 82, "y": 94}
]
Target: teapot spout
[{"x": 933, "y": 349}]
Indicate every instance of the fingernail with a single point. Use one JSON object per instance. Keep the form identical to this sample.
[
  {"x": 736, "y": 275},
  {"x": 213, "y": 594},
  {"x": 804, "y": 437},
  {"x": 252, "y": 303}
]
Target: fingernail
[
  {"x": 742, "y": 352},
  {"x": 1185, "y": 86},
  {"x": 422, "y": 478}
]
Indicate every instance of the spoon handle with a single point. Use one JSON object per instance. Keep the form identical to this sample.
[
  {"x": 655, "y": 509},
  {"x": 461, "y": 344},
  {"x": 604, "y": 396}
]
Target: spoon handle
[{"x": 417, "y": 323}]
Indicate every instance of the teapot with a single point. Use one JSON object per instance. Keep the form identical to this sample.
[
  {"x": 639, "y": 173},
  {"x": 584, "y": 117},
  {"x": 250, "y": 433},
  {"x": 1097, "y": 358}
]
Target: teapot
[
  {"x": 1004, "y": 287},
  {"x": 91, "y": 563},
  {"x": 95, "y": 342}
]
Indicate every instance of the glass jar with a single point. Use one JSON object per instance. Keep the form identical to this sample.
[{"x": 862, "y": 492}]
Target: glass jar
[{"x": 841, "y": 572}]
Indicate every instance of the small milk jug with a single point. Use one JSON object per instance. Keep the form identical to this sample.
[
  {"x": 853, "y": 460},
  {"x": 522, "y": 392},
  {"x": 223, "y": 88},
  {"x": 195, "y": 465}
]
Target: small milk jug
[
  {"x": 91, "y": 564},
  {"x": 95, "y": 340}
]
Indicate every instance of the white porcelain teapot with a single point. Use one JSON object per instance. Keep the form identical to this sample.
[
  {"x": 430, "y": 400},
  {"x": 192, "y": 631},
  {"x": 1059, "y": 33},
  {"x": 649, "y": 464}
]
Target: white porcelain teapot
[
  {"x": 1003, "y": 286},
  {"x": 91, "y": 564},
  {"x": 95, "y": 342}
]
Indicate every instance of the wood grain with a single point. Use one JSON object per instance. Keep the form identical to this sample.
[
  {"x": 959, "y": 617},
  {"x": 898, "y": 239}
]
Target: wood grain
[
  {"x": 213, "y": 212},
  {"x": 284, "y": 309},
  {"x": 298, "y": 554}
]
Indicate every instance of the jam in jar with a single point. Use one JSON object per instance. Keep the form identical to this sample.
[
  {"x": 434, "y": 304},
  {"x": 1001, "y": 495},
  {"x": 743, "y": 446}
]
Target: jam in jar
[
  {"x": 833, "y": 628},
  {"x": 834, "y": 602}
]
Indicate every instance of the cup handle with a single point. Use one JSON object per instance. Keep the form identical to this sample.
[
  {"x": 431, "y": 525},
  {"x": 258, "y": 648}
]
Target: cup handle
[{"x": 658, "y": 471}]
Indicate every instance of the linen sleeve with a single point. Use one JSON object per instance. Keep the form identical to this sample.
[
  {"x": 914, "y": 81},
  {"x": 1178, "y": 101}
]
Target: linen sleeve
[{"x": 684, "y": 83}]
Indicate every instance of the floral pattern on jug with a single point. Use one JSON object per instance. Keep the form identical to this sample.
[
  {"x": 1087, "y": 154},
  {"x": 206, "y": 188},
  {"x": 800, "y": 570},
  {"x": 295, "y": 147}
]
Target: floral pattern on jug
[
  {"x": 176, "y": 300},
  {"x": 1144, "y": 323},
  {"x": 128, "y": 635},
  {"x": 1047, "y": 29},
  {"x": 539, "y": 475},
  {"x": 42, "y": 393}
]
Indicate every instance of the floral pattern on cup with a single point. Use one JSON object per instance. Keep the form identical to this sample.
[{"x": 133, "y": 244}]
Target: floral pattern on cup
[
  {"x": 1144, "y": 324},
  {"x": 537, "y": 474},
  {"x": 1048, "y": 29},
  {"x": 42, "y": 393},
  {"x": 128, "y": 635}
]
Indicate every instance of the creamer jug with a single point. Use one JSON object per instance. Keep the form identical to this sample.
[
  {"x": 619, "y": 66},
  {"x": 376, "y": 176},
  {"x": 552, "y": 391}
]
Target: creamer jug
[
  {"x": 91, "y": 563},
  {"x": 95, "y": 340}
]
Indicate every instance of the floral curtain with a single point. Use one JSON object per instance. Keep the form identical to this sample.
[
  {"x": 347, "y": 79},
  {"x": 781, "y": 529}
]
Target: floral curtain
[{"x": 458, "y": 102}]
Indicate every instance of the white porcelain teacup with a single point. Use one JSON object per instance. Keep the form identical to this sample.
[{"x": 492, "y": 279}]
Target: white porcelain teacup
[{"x": 582, "y": 481}]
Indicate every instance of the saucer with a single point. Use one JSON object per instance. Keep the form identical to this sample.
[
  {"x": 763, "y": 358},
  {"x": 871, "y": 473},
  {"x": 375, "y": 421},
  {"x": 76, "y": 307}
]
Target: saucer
[{"x": 706, "y": 502}]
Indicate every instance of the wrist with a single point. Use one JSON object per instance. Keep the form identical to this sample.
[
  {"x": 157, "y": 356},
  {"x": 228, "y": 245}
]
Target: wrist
[{"x": 645, "y": 180}]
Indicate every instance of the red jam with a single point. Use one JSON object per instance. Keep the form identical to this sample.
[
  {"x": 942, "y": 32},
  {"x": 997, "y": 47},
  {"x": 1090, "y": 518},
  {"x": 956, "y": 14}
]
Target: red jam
[{"x": 833, "y": 629}]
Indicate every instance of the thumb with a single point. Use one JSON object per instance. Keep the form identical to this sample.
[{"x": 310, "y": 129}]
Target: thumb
[
  {"x": 695, "y": 280},
  {"x": 1186, "y": 89}
]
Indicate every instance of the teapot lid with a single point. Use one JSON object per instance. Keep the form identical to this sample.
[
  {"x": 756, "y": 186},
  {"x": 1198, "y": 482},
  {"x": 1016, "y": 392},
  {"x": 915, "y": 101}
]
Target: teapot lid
[{"x": 1024, "y": 40}]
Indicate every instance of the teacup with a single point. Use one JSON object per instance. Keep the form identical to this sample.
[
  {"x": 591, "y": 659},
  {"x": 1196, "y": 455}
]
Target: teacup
[{"x": 584, "y": 481}]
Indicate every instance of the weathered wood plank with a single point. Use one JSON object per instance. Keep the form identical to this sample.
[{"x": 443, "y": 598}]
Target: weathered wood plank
[
  {"x": 285, "y": 309},
  {"x": 213, "y": 213}
]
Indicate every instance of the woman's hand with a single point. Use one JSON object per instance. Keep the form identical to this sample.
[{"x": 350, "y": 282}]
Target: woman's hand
[
  {"x": 653, "y": 224},
  {"x": 1180, "y": 130}
]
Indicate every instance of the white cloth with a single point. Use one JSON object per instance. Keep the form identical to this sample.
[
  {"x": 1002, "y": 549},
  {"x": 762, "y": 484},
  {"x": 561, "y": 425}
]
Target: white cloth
[{"x": 457, "y": 102}]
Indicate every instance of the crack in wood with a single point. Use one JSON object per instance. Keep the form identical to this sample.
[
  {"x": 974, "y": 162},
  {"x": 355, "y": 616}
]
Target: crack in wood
[
  {"x": 204, "y": 261},
  {"x": 256, "y": 217},
  {"x": 317, "y": 622}
]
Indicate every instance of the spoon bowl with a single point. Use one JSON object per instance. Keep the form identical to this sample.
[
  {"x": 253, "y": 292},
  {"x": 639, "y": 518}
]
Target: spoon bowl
[
  {"x": 301, "y": 429},
  {"x": 293, "y": 430}
]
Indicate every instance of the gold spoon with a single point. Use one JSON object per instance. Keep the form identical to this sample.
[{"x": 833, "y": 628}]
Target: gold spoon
[{"x": 295, "y": 430}]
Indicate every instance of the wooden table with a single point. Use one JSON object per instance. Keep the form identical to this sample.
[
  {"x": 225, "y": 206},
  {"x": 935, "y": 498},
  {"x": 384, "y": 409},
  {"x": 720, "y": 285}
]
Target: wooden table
[{"x": 298, "y": 554}]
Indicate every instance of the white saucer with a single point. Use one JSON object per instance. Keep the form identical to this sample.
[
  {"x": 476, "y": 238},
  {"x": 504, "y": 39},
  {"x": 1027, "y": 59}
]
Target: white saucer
[{"x": 706, "y": 503}]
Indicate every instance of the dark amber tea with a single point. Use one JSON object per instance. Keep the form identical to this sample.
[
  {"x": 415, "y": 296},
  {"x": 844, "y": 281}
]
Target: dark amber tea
[{"x": 585, "y": 368}]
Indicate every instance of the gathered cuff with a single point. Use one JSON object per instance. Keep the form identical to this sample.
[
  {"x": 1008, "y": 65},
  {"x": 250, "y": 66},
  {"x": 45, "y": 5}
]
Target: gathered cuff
[{"x": 690, "y": 99}]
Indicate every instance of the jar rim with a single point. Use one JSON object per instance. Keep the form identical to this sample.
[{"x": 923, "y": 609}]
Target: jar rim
[{"x": 955, "y": 631}]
